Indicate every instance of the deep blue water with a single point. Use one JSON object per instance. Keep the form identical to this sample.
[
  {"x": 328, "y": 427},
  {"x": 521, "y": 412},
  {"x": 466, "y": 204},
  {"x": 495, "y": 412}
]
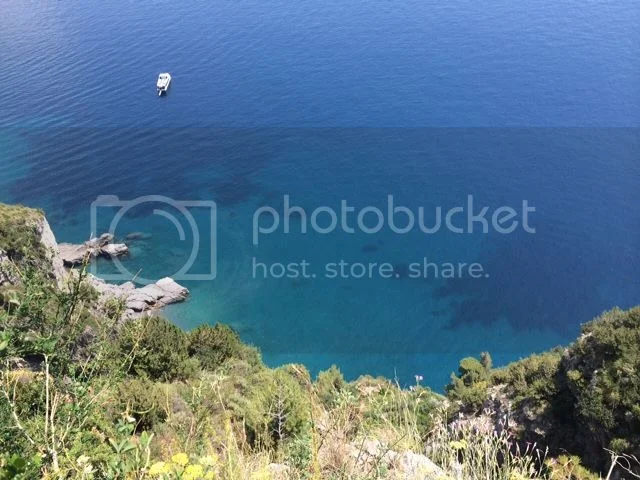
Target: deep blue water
[{"x": 328, "y": 101}]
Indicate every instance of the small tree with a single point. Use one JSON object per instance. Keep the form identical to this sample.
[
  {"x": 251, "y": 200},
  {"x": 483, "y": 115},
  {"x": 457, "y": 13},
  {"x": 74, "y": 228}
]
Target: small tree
[
  {"x": 212, "y": 346},
  {"x": 159, "y": 349},
  {"x": 469, "y": 386}
]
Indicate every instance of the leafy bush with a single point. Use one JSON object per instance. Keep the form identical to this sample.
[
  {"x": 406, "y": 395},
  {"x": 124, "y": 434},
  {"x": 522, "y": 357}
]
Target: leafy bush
[
  {"x": 272, "y": 405},
  {"x": 568, "y": 468},
  {"x": 141, "y": 399},
  {"x": 534, "y": 377},
  {"x": 329, "y": 384},
  {"x": 157, "y": 349},
  {"x": 469, "y": 387},
  {"x": 19, "y": 236},
  {"x": 214, "y": 345},
  {"x": 16, "y": 467},
  {"x": 583, "y": 399},
  {"x": 602, "y": 375}
]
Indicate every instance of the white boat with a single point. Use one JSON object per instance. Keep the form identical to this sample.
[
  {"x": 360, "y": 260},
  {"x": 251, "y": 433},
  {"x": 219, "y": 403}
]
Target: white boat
[{"x": 164, "y": 79}]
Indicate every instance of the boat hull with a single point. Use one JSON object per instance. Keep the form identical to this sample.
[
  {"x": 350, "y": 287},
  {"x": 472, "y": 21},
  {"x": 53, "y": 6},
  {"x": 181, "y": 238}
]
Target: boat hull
[{"x": 162, "y": 85}]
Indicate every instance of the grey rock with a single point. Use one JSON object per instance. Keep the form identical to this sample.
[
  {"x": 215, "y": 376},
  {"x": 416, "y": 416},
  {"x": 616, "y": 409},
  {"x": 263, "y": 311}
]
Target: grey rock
[
  {"x": 55, "y": 267},
  {"x": 172, "y": 289},
  {"x": 137, "y": 305},
  {"x": 75, "y": 254},
  {"x": 110, "y": 289},
  {"x": 72, "y": 255},
  {"x": 48, "y": 239},
  {"x": 416, "y": 466},
  {"x": 402, "y": 465},
  {"x": 8, "y": 274},
  {"x": 374, "y": 448},
  {"x": 114, "y": 249},
  {"x": 101, "y": 241},
  {"x": 143, "y": 300}
]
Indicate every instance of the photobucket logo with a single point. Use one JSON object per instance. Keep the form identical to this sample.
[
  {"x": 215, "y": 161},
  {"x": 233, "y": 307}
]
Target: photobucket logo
[{"x": 399, "y": 219}]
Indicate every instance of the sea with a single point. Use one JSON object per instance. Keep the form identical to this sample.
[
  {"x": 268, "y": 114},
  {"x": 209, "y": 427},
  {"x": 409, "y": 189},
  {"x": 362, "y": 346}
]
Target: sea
[{"x": 318, "y": 171}]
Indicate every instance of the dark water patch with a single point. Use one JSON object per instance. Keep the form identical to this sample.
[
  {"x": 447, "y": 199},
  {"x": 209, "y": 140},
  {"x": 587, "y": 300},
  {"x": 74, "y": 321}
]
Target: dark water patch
[
  {"x": 533, "y": 283},
  {"x": 400, "y": 271},
  {"x": 235, "y": 190},
  {"x": 137, "y": 236},
  {"x": 369, "y": 248}
]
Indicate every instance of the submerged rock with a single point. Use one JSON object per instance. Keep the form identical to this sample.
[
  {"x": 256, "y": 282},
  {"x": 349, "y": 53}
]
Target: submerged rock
[{"x": 137, "y": 236}]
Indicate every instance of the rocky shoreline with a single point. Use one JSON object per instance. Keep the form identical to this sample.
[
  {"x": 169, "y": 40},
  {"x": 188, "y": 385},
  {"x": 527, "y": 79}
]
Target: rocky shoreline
[
  {"x": 73, "y": 255},
  {"x": 143, "y": 300},
  {"x": 64, "y": 257}
]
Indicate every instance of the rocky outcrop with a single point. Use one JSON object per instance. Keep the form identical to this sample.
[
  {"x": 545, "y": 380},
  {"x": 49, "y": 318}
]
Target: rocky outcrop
[
  {"x": 140, "y": 301},
  {"x": 48, "y": 240},
  {"x": 74, "y": 254},
  {"x": 40, "y": 241},
  {"x": 413, "y": 465},
  {"x": 370, "y": 454},
  {"x": 7, "y": 272},
  {"x": 27, "y": 238}
]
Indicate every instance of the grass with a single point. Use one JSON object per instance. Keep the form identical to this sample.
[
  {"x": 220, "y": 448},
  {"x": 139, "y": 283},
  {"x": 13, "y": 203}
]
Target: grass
[{"x": 19, "y": 236}]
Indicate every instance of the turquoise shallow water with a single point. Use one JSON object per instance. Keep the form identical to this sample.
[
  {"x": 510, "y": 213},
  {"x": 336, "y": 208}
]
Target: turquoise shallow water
[{"x": 333, "y": 102}]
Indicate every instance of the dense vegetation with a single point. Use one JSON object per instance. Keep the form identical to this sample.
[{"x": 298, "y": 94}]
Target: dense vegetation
[
  {"x": 19, "y": 237},
  {"x": 584, "y": 399},
  {"x": 84, "y": 395}
]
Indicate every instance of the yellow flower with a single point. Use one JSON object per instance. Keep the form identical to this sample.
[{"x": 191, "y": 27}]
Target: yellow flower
[
  {"x": 210, "y": 476},
  {"x": 517, "y": 476},
  {"x": 458, "y": 444},
  {"x": 159, "y": 468},
  {"x": 262, "y": 474},
  {"x": 193, "y": 472},
  {"x": 181, "y": 459},
  {"x": 209, "y": 460}
]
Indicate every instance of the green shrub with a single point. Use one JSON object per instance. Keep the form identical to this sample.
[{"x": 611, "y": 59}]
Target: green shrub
[
  {"x": 156, "y": 349},
  {"x": 299, "y": 453},
  {"x": 17, "y": 467},
  {"x": 602, "y": 375},
  {"x": 583, "y": 399},
  {"x": 329, "y": 384},
  {"x": 469, "y": 387},
  {"x": 141, "y": 399},
  {"x": 272, "y": 405},
  {"x": 19, "y": 236},
  {"x": 214, "y": 345},
  {"x": 568, "y": 468},
  {"x": 534, "y": 377}
]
